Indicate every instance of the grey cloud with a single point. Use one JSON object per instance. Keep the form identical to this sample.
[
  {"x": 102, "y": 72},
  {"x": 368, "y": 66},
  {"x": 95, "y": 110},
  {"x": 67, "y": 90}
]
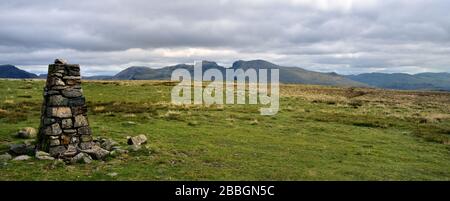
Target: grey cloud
[{"x": 346, "y": 36}]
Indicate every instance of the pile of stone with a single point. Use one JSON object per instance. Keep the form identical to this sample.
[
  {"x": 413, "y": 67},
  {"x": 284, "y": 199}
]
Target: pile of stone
[
  {"x": 20, "y": 152},
  {"x": 101, "y": 148},
  {"x": 64, "y": 133},
  {"x": 64, "y": 130},
  {"x": 25, "y": 151}
]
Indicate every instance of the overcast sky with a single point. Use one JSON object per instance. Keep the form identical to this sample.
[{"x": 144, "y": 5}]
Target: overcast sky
[{"x": 345, "y": 36}]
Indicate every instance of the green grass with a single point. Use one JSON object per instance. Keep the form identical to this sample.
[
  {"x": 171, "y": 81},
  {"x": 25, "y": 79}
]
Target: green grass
[{"x": 320, "y": 133}]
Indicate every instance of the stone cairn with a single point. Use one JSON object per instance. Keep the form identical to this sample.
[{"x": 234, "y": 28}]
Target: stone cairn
[{"x": 64, "y": 131}]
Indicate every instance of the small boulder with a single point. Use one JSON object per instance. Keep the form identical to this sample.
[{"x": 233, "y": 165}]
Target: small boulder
[
  {"x": 22, "y": 158},
  {"x": 108, "y": 144},
  {"x": 57, "y": 151},
  {"x": 21, "y": 149},
  {"x": 137, "y": 140},
  {"x": 71, "y": 151},
  {"x": 60, "y": 61},
  {"x": 5, "y": 157},
  {"x": 27, "y": 133},
  {"x": 40, "y": 155},
  {"x": 81, "y": 158},
  {"x": 96, "y": 152}
]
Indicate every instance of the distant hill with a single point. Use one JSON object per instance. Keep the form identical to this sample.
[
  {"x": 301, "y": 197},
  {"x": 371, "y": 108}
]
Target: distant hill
[
  {"x": 97, "y": 77},
  {"x": 422, "y": 81},
  {"x": 402, "y": 81},
  {"x": 10, "y": 71},
  {"x": 300, "y": 75},
  {"x": 42, "y": 76},
  {"x": 287, "y": 74},
  {"x": 165, "y": 73}
]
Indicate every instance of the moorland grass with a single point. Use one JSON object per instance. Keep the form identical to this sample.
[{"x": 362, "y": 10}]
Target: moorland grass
[{"x": 320, "y": 133}]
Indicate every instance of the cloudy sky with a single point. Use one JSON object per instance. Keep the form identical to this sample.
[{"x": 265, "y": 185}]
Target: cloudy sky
[{"x": 345, "y": 36}]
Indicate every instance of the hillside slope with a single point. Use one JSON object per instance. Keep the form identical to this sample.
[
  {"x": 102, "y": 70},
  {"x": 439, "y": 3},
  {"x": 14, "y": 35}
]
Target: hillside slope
[
  {"x": 423, "y": 81},
  {"x": 287, "y": 74},
  {"x": 10, "y": 71}
]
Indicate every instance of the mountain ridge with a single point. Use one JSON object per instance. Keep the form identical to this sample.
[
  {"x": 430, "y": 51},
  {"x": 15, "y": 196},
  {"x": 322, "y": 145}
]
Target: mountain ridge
[
  {"x": 296, "y": 75},
  {"x": 287, "y": 74}
]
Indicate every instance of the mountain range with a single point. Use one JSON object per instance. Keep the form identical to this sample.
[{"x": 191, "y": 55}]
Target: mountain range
[{"x": 422, "y": 81}]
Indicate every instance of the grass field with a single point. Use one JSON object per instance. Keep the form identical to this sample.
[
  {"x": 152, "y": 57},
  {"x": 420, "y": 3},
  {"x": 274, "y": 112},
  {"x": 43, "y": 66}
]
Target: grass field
[{"x": 320, "y": 133}]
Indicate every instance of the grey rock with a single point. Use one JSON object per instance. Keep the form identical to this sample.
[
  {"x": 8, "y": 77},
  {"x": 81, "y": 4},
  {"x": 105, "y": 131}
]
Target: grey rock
[
  {"x": 71, "y": 151},
  {"x": 80, "y": 121},
  {"x": 73, "y": 70},
  {"x": 48, "y": 121},
  {"x": 53, "y": 137},
  {"x": 56, "y": 81},
  {"x": 51, "y": 92},
  {"x": 60, "y": 61},
  {"x": 54, "y": 142},
  {"x": 66, "y": 123},
  {"x": 54, "y": 129},
  {"x": 57, "y": 74},
  {"x": 59, "y": 87},
  {"x": 73, "y": 82},
  {"x": 72, "y": 92},
  {"x": 22, "y": 158},
  {"x": 81, "y": 158},
  {"x": 40, "y": 155},
  {"x": 55, "y": 68},
  {"x": 108, "y": 144},
  {"x": 72, "y": 78},
  {"x": 27, "y": 133},
  {"x": 5, "y": 157},
  {"x": 74, "y": 140},
  {"x": 79, "y": 101},
  {"x": 84, "y": 131},
  {"x": 96, "y": 152},
  {"x": 57, "y": 151},
  {"x": 86, "y": 145},
  {"x": 137, "y": 140},
  {"x": 60, "y": 112},
  {"x": 86, "y": 138},
  {"x": 69, "y": 131},
  {"x": 21, "y": 149},
  {"x": 57, "y": 100}
]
